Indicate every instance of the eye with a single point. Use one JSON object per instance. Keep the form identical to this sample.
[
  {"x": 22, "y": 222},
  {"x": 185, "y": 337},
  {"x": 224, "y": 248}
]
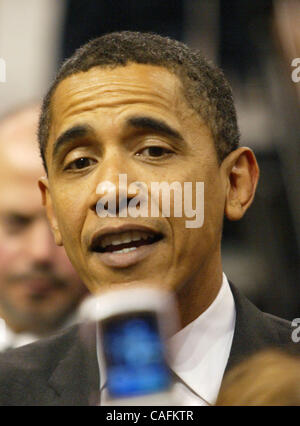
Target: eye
[
  {"x": 80, "y": 163},
  {"x": 16, "y": 223},
  {"x": 154, "y": 151}
]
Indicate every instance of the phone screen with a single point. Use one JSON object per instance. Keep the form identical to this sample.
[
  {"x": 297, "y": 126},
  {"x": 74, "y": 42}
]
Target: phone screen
[{"x": 134, "y": 355}]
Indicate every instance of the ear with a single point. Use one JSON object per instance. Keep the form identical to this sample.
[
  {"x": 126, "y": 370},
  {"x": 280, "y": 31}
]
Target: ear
[
  {"x": 241, "y": 173},
  {"x": 47, "y": 203}
]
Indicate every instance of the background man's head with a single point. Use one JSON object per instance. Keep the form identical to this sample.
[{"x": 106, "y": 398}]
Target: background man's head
[{"x": 39, "y": 288}]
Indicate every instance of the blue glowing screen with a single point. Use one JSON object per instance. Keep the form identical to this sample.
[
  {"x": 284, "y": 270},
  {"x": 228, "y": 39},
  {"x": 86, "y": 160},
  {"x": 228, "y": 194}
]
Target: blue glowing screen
[{"x": 134, "y": 355}]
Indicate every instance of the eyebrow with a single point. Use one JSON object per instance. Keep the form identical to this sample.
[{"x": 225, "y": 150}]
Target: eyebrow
[
  {"x": 138, "y": 122},
  {"x": 75, "y": 132},
  {"x": 150, "y": 123}
]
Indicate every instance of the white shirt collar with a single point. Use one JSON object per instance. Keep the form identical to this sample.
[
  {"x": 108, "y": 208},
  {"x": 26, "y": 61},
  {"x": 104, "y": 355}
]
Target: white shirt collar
[
  {"x": 202, "y": 348},
  {"x": 10, "y": 339}
]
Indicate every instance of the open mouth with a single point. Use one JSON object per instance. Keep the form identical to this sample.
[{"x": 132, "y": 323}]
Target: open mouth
[{"x": 124, "y": 242}]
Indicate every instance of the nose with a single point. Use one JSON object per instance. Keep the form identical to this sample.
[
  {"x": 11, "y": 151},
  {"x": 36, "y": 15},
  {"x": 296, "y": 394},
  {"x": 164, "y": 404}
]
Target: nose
[
  {"x": 115, "y": 175},
  {"x": 40, "y": 244}
]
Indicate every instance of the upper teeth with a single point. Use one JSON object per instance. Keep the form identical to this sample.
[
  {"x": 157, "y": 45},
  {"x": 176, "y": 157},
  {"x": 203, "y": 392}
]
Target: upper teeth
[{"x": 123, "y": 238}]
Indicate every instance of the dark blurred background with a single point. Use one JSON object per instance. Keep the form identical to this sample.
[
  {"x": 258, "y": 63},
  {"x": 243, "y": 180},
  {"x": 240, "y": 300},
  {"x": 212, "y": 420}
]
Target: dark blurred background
[{"x": 254, "y": 41}]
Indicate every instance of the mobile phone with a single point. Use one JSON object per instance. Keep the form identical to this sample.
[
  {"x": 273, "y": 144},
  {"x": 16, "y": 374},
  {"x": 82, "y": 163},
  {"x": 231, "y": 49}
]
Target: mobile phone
[{"x": 133, "y": 326}]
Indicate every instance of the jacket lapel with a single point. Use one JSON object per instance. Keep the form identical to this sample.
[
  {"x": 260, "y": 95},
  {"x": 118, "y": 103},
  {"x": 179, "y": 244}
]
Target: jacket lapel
[
  {"x": 253, "y": 330},
  {"x": 75, "y": 379}
]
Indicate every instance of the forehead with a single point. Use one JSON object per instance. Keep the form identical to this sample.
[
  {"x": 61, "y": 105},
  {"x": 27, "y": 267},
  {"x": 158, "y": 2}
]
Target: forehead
[
  {"x": 18, "y": 145},
  {"x": 20, "y": 164},
  {"x": 20, "y": 195},
  {"x": 133, "y": 79},
  {"x": 117, "y": 90},
  {"x": 19, "y": 183}
]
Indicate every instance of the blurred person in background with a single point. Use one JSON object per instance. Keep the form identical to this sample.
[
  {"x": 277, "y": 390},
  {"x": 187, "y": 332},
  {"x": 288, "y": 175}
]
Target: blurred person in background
[
  {"x": 268, "y": 378},
  {"x": 39, "y": 289}
]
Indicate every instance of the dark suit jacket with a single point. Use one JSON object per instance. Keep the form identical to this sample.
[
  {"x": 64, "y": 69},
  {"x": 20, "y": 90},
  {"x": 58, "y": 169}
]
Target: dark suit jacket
[{"x": 62, "y": 370}]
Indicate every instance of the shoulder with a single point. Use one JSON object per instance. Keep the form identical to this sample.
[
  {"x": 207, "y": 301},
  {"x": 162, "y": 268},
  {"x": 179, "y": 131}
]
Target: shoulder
[
  {"x": 29, "y": 367},
  {"x": 283, "y": 327},
  {"x": 252, "y": 319},
  {"x": 256, "y": 330},
  {"x": 40, "y": 354}
]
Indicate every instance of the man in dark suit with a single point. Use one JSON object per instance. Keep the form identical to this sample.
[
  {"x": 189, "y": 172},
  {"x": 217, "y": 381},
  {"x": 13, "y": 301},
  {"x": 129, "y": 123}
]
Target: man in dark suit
[
  {"x": 39, "y": 290},
  {"x": 155, "y": 111}
]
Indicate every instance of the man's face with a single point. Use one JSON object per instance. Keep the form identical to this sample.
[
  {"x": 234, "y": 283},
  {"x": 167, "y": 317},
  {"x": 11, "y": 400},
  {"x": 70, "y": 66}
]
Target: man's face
[
  {"x": 38, "y": 285},
  {"x": 130, "y": 120}
]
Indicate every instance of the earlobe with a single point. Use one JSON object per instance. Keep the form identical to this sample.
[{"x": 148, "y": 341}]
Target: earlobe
[
  {"x": 242, "y": 177},
  {"x": 47, "y": 203}
]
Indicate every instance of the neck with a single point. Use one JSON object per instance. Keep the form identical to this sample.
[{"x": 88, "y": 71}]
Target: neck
[
  {"x": 26, "y": 325},
  {"x": 200, "y": 291}
]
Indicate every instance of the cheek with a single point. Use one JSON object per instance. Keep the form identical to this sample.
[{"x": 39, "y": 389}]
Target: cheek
[
  {"x": 207, "y": 219},
  {"x": 214, "y": 203},
  {"x": 63, "y": 263},
  {"x": 9, "y": 252},
  {"x": 70, "y": 213},
  {"x": 71, "y": 210}
]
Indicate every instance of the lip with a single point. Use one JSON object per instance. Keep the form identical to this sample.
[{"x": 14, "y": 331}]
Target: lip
[
  {"x": 121, "y": 229},
  {"x": 123, "y": 260},
  {"x": 38, "y": 286}
]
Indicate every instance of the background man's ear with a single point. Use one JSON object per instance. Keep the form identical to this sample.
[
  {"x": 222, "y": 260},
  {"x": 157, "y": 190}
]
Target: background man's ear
[
  {"x": 47, "y": 203},
  {"x": 242, "y": 173}
]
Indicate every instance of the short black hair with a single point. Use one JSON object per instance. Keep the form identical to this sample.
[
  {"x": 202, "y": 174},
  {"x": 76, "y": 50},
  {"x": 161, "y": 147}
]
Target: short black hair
[{"x": 205, "y": 87}]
